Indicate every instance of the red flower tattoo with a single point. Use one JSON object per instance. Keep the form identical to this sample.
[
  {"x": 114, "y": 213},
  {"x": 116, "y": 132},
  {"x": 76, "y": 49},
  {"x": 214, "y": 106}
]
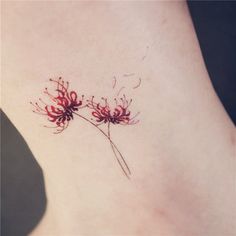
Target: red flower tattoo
[
  {"x": 65, "y": 102},
  {"x": 118, "y": 114}
]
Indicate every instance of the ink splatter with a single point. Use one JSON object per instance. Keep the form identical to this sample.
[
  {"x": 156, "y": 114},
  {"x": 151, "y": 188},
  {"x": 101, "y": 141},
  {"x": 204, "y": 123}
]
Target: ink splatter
[
  {"x": 114, "y": 82},
  {"x": 139, "y": 83},
  {"x": 146, "y": 53},
  {"x": 130, "y": 74},
  {"x": 118, "y": 93}
]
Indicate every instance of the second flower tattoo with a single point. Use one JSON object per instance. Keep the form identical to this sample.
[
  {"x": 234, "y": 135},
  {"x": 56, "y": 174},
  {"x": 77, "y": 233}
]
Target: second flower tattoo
[{"x": 65, "y": 104}]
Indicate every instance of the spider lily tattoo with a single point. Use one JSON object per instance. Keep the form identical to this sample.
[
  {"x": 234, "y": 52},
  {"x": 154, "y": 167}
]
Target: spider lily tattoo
[
  {"x": 116, "y": 115},
  {"x": 65, "y": 104}
]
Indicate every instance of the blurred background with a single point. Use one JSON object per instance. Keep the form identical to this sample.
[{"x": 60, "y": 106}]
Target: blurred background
[
  {"x": 22, "y": 184},
  {"x": 215, "y": 25}
]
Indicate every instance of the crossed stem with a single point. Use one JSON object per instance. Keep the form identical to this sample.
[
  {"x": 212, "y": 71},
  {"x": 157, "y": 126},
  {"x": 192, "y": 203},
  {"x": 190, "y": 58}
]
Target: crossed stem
[{"x": 119, "y": 157}]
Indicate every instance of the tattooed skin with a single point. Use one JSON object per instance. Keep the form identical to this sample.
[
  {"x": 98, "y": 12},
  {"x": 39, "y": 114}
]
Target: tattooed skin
[
  {"x": 65, "y": 104},
  {"x": 120, "y": 114}
]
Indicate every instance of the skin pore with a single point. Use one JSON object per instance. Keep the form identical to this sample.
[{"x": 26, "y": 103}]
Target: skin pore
[{"x": 181, "y": 153}]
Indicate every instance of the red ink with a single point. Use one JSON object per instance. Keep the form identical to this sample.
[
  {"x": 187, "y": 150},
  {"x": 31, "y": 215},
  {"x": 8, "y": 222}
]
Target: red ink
[
  {"x": 65, "y": 102},
  {"x": 120, "y": 114}
]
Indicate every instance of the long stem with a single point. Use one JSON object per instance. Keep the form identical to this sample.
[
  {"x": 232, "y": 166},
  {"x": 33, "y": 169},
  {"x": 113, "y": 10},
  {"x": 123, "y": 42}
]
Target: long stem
[
  {"x": 114, "y": 149},
  {"x": 113, "y": 146}
]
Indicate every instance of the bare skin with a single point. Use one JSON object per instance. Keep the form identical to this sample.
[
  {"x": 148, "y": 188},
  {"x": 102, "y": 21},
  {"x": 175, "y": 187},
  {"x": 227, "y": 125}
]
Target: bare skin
[{"x": 182, "y": 153}]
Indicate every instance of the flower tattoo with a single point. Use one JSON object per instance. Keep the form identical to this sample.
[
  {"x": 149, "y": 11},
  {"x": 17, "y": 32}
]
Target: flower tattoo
[
  {"x": 65, "y": 104},
  {"x": 118, "y": 115}
]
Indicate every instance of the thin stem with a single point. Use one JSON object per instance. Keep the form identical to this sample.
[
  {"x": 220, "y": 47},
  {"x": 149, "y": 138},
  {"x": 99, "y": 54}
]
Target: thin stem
[
  {"x": 114, "y": 151},
  {"x": 113, "y": 146}
]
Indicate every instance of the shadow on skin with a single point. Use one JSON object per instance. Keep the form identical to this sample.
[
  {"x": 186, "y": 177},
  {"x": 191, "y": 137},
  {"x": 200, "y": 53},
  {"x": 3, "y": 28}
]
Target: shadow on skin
[{"x": 23, "y": 193}]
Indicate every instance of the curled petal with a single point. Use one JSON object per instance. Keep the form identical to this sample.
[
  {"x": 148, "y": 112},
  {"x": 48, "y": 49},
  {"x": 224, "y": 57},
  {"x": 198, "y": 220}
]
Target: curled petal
[
  {"x": 73, "y": 96},
  {"x": 64, "y": 103}
]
